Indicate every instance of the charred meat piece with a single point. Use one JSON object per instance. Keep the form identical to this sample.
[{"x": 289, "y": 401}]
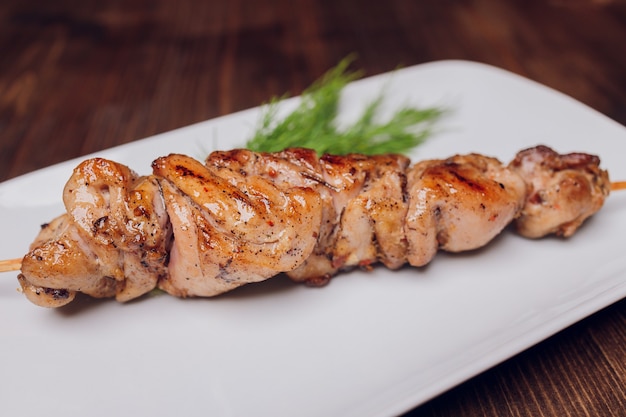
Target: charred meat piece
[
  {"x": 459, "y": 204},
  {"x": 564, "y": 190}
]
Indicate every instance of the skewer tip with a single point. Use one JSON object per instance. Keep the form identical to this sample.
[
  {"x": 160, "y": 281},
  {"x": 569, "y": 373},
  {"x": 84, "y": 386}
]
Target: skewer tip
[
  {"x": 619, "y": 185},
  {"x": 9, "y": 265}
]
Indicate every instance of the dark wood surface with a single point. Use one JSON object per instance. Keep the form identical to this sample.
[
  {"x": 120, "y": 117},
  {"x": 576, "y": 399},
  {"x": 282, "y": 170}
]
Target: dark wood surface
[{"x": 80, "y": 76}]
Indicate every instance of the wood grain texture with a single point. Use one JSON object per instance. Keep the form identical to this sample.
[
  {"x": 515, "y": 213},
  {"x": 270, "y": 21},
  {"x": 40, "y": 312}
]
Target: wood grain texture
[{"x": 80, "y": 76}]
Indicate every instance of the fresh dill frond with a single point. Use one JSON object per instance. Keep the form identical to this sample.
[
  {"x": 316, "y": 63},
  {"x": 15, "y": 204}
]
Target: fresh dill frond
[
  {"x": 313, "y": 119},
  {"x": 313, "y": 123}
]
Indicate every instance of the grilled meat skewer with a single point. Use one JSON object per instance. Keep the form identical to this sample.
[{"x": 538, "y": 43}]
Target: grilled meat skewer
[{"x": 194, "y": 229}]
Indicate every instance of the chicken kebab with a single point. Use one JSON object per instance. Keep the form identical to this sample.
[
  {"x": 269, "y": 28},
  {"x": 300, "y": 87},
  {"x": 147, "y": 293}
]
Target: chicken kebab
[{"x": 202, "y": 229}]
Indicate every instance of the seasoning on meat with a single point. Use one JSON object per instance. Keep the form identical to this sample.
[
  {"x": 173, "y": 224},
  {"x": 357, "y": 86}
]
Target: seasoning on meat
[{"x": 194, "y": 229}]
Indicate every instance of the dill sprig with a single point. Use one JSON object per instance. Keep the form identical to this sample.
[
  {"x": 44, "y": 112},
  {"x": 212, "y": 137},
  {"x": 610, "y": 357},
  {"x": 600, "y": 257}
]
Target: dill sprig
[{"x": 313, "y": 123}]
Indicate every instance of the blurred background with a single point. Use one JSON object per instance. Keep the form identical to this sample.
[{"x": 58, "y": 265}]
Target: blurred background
[{"x": 78, "y": 76}]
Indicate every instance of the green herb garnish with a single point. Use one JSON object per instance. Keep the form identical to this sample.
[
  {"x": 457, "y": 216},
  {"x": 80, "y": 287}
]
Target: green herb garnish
[{"x": 313, "y": 123}]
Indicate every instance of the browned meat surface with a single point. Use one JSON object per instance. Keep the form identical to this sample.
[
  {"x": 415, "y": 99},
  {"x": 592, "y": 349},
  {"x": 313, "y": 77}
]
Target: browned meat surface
[
  {"x": 459, "y": 204},
  {"x": 112, "y": 241},
  {"x": 363, "y": 204},
  {"x": 292, "y": 167},
  {"x": 369, "y": 194},
  {"x": 232, "y": 227},
  {"x": 564, "y": 190},
  {"x": 195, "y": 229}
]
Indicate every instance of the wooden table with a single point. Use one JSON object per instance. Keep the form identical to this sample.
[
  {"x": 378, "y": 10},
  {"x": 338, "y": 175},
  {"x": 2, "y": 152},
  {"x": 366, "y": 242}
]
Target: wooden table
[{"x": 80, "y": 76}]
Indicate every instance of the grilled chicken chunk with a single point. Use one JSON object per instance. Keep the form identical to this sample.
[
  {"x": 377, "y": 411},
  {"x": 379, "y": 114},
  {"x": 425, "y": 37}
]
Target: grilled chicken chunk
[
  {"x": 195, "y": 229},
  {"x": 231, "y": 227},
  {"x": 564, "y": 190},
  {"x": 292, "y": 167},
  {"x": 369, "y": 192},
  {"x": 459, "y": 204},
  {"x": 112, "y": 241},
  {"x": 363, "y": 204}
]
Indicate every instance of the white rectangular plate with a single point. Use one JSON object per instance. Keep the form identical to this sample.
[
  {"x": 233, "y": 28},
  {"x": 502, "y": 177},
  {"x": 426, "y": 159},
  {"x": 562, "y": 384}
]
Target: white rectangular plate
[{"x": 368, "y": 344}]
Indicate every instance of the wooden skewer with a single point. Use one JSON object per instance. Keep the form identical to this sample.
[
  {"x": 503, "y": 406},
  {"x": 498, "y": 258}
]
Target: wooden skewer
[
  {"x": 619, "y": 185},
  {"x": 8, "y": 265}
]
